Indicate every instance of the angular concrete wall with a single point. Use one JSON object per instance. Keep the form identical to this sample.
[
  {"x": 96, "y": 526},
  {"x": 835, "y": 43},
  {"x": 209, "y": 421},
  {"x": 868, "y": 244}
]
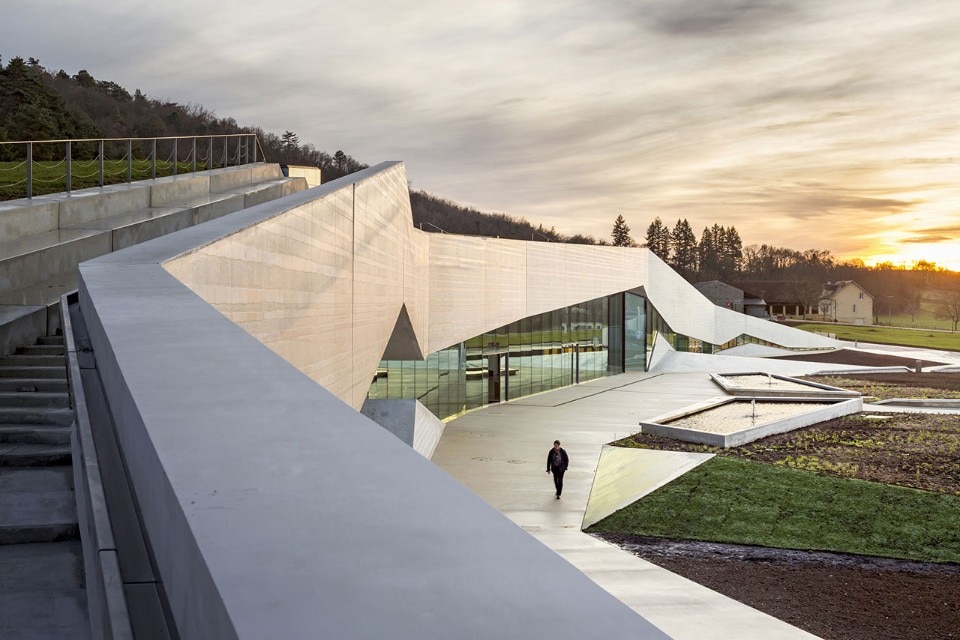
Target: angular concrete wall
[
  {"x": 273, "y": 508},
  {"x": 339, "y": 280}
]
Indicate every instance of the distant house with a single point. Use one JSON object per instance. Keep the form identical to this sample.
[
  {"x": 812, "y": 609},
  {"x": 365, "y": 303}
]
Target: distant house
[
  {"x": 730, "y": 297},
  {"x": 846, "y": 301},
  {"x": 780, "y": 297}
]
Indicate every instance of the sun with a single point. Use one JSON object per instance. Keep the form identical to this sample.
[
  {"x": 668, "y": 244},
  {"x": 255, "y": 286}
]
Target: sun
[{"x": 942, "y": 255}]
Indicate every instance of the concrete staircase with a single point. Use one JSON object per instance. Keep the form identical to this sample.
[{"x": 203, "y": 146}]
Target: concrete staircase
[
  {"x": 42, "y": 590},
  {"x": 43, "y": 239}
]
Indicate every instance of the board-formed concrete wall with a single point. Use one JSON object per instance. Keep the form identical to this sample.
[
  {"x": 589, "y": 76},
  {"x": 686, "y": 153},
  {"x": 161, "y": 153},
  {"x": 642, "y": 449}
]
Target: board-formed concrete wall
[
  {"x": 273, "y": 508},
  {"x": 343, "y": 280}
]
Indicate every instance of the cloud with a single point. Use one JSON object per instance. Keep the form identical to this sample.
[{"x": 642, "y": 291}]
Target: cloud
[
  {"x": 697, "y": 18},
  {"x": 813, "y": 124}
]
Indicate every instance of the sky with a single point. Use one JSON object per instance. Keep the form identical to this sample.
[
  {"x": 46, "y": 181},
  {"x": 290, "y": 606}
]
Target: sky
[{"x": 809, "y": 124}]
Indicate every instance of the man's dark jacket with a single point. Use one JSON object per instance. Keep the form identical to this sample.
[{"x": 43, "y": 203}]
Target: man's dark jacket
[{"x": 564, "y": 461}]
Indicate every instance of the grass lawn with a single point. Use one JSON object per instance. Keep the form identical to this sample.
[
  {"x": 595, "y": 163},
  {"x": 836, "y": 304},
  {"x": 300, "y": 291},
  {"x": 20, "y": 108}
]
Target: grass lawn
[
  {"x": 51, "y": 176},
  {"x": 945, "y": 340},
  {"x": 744, "y": 502}
]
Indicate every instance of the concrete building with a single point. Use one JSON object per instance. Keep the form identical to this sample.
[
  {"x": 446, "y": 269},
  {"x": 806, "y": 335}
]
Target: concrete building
[
  {"x": 235, "y": 356},
  {"x": 730, "y": 297}
]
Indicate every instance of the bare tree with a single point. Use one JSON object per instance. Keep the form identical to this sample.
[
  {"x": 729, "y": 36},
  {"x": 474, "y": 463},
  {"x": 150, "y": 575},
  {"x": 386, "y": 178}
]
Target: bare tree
[{"x": 948, "y": 307}]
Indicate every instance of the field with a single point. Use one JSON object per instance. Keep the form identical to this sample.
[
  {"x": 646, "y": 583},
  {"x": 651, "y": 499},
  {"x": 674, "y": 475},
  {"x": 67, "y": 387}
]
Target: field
[{"x": 848, "y": 529}]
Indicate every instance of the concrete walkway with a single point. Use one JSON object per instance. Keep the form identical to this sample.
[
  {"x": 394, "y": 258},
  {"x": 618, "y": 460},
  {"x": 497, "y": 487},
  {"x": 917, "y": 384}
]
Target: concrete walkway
[{"x": 500, "y": 453}]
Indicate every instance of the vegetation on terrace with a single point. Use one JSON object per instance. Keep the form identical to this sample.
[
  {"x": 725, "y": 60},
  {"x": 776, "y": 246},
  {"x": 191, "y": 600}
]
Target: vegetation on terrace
[
  {"x": 876, "y": 485},
  {"x": 738, "y": 501}
]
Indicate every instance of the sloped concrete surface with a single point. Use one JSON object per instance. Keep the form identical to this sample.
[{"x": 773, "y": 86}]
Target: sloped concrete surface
[{"x": 626, "y": 475}]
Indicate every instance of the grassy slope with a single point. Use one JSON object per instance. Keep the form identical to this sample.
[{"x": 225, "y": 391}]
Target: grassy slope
[
  {"x": 928, "y": 339},
  {"x": 737, "y": 501}
]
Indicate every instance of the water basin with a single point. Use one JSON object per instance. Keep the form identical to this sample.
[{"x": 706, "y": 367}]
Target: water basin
[{"x": 730, "y": 422}]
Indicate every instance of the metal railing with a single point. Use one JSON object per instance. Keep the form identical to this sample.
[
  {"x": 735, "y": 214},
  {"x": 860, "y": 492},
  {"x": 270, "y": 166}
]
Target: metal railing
[{"x": 36, "y": 167}]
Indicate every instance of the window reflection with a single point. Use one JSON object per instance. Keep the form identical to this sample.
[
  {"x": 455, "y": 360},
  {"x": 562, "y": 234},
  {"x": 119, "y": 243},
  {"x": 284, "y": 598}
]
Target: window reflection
[{"x": 535, "y": 354}]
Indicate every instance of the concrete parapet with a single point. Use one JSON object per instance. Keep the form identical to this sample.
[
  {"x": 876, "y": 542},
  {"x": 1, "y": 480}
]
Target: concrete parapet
[
  {"x": 230, "y": 178},
  {"x": 174, "y": 189},
  {"x": 310, "y": 174},
  {"x": 39, "y": 257},
  {"x": 89, "y": 205},
  {"x": 22, "y": 218},
  {"x": 265, "y": 171},
  {"x": 215, "y": 206}
]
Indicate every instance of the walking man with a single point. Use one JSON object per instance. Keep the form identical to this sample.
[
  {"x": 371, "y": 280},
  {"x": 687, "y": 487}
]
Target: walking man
[{"x": 557, "y": 462}]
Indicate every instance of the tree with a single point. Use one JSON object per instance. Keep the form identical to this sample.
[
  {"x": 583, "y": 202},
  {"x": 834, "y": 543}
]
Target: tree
[
  {"x": 579, "y": 238},
  {"x": 948, "y": 307},
  {"x": 290, "y": 140},
  {"x": 340, "y": 161},
  {"x": 683, "y": 242},
  {"x": 658, "y": 239},
  {"x": 709, "y": 253},
  {"x": 621, "y": 233},
  {"x": 729, "y": 252}
]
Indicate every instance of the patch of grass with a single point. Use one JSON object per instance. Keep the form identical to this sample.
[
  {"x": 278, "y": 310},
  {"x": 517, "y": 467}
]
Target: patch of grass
[
  {"x": 885, "y": 391},
  {"x": 743, "y": 502},
  {"x": 51, "y": 177},
  {"x": 920, "y": 451},
  {"x": 929, "y": 339}
]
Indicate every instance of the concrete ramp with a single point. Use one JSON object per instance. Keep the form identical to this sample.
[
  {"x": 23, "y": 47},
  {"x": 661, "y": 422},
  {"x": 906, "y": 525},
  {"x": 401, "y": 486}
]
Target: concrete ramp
[{"x": 625, "y": 475}]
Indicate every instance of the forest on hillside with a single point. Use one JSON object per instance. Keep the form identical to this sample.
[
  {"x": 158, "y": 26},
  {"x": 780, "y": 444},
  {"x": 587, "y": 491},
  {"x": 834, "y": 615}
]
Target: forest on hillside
[{"x": 40, "y": 104}]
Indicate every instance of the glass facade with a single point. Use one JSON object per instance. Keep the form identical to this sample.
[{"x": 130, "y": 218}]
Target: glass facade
[
  {"x": 539, "y": 353},
  {"x": 559, "y": 348}
]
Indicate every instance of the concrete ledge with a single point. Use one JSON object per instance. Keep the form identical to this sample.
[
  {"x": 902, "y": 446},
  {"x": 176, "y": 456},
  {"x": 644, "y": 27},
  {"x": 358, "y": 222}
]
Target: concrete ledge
[
  {"x": 831, "y": 408},
  {"x": 230, "y": 178},
  {"x": 173, "y": 189},
  {"x": 22, "y": 218},
  {"x": 798, "y": 388},
  {"x": 310, "y": 174},
  {"x": 29, "y": 260},
  {"x": 89, "y": 205}
]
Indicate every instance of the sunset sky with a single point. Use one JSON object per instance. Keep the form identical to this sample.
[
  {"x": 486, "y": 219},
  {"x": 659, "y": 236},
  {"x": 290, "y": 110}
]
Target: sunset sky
[{"x": 812, "y": 124}]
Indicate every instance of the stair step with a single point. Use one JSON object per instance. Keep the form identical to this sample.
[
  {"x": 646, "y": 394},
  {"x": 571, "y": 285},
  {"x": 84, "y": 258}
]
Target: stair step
[
  {"x": 42, "y": 350},
  {"x": 34, "y": 434},
  {"x": 33, "y": 399},
  {"x": 37, "y": 505},
  {"x": 42, "y": 415},
  {"x": 48, "y": 615},
  {"x": 33, "y": 385},
  {"x": 33, "y": 361},
  {"x": 34, "y": 455},
  {"x": 26, "y": 568},
  {"x": 33, "y": 372},
  {"x": 50, "y": 340}
]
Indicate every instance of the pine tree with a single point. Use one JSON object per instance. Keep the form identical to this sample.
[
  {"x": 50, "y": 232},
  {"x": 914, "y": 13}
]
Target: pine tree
[
  {"x": 709, "y": 252},
  {"x": 684, "y": 245},
  {"x": 621, "y": 233},
  {"x": 658, "y": 239}
]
